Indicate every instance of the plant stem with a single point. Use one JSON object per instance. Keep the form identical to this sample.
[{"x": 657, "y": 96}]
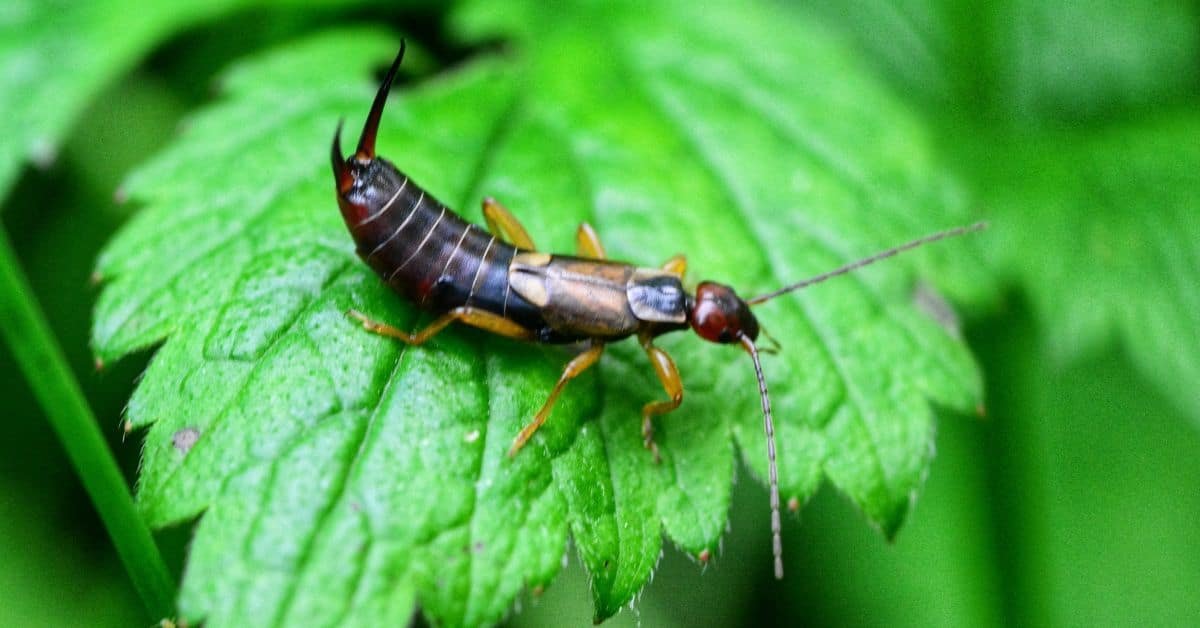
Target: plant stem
[{"x": 37, "y": 352}]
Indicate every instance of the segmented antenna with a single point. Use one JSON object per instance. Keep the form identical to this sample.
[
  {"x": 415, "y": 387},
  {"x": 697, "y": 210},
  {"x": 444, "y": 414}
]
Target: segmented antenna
[
  {"x": 866, "y": 261},
  {"x": 366, "y": 141},
  {"x": 772, "y": 470}
]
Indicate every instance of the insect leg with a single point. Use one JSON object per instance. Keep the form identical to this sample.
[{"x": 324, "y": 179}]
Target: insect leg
[
  {"x": 588, "y": 242},
  {"x": 664, "y": 367},
  {"x": 677, "y": 265},
  {"x": 502, "y": 223},
  {"x": 474, "y": 317},
  {"x": 577, "y": 365}
]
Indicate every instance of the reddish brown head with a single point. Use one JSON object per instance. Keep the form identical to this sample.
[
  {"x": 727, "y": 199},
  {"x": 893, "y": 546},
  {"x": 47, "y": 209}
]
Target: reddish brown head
[{"x": 718, "y": 314}]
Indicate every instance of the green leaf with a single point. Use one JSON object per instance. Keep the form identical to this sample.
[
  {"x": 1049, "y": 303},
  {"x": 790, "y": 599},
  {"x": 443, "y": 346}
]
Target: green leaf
[
  {"x": 1097, "y": 223},
  {"x": 55, "y": 55},
  {"x": 1071, "y": 60},
  {"x": 942, "y": 571},
  {"x": 44, "y": 553},
  {"x": 928, "y": 48},
  {"x": 1100, "y": 228},
  {"x": 1028, "y": 59},
  {"x": 1087, "y": 457},
  {"x": 343, "y": 478}
]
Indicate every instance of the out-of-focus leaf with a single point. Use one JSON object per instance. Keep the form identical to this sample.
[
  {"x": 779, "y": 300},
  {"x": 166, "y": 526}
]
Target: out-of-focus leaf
[
  {"x": 1032, "y": 60},
  {"x": 1102, "y": 228},
  {"x": 40, "y": 568},
  {"x": 1097, "y": 223},
  {"x": 1093, "y": 492},
  {"x": 55, "y": 55},
  {"x": 929, "y": 49},
  {"x": 342, "y": 477},
  {"x": 1068, "y": 60}
]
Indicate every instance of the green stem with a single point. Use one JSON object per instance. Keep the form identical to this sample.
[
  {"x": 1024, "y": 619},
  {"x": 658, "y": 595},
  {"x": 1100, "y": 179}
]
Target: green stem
[{"x": 39, "y": 356}]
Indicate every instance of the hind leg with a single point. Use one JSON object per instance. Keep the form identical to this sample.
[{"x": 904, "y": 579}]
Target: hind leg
[
  {"x": 468, "y": 315},
  {"x": 574, "y": 368}
]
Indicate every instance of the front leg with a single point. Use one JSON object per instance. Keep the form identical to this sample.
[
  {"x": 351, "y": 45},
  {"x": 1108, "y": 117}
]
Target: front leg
[
  {"x": 664, "y": 367},
  {"x": 677, "y": 265}
]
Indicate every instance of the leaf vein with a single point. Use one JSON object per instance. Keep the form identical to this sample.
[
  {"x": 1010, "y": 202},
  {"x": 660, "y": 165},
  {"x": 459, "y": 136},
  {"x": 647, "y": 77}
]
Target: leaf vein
[{"x": 343, "y": 479}]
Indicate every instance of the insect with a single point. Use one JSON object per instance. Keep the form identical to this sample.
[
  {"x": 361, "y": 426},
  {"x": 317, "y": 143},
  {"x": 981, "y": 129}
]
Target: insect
[{"x": 497, "y": 280}]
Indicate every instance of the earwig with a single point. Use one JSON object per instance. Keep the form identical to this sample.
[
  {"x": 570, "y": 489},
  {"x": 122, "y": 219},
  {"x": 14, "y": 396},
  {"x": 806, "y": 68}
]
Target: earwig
[{"x": 497, "y": 280}]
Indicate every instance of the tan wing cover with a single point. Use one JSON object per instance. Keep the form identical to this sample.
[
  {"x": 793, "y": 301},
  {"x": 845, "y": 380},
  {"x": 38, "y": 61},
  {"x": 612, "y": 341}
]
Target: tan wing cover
[{"x": 577, "y": 296}]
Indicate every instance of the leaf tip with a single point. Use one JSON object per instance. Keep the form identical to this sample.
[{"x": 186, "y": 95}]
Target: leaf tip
[
  {"x": 893, "y": 520},
  {"x": 605, "y": 600}
]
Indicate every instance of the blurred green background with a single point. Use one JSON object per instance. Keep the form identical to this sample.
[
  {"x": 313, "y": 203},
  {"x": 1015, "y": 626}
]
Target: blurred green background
[{"x": 1074, "y": 501}]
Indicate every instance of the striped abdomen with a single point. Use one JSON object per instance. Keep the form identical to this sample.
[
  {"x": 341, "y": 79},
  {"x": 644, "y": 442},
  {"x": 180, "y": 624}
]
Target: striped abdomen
[{"x": 424, "y": 250}]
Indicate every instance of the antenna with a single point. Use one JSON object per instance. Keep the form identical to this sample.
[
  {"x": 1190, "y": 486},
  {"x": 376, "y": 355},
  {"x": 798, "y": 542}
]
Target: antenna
[
  {"x": 867, "y": 261},
  {"x": 772, "y": 470}
]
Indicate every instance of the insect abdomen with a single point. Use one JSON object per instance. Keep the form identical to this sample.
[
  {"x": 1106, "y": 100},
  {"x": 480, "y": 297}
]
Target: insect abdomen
[{"x": 425, "y": 251}]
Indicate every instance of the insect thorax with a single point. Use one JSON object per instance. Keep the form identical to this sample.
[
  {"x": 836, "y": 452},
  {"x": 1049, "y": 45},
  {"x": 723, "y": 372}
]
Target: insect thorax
[{"x": 656, "y": 296}]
